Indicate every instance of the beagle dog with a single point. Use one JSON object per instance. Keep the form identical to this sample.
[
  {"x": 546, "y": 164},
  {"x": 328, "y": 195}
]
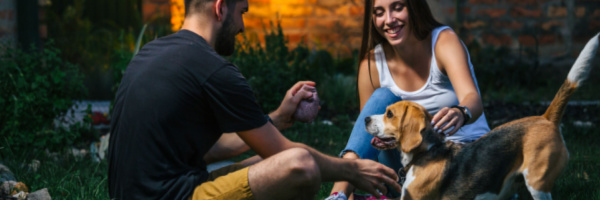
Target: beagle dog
[{"x": 526, "y": 152}]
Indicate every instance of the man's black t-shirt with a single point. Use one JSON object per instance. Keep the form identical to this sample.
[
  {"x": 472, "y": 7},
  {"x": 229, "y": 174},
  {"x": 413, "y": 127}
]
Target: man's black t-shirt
[{"x": 176, "y": 98}]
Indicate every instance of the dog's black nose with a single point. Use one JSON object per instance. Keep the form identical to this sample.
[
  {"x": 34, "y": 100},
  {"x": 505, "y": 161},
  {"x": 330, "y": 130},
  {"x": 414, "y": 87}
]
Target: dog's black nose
[{"x": 367, "y": 120}]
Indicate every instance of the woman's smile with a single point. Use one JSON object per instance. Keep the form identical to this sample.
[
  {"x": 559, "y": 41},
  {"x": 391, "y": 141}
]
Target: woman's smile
[{"x": 394, "y": 32}]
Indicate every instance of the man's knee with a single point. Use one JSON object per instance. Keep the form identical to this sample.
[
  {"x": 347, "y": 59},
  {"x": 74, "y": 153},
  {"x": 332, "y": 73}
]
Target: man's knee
[
  {"x": 291, "y": 174},
  {"x": 302, "y": 167}
]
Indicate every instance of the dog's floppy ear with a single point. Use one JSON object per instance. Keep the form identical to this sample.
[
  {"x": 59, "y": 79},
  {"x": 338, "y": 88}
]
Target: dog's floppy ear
[{"x": 412, "y": 125}]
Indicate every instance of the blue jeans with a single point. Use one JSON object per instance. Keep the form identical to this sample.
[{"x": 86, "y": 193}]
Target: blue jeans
[{"x": 360, "y": 140}]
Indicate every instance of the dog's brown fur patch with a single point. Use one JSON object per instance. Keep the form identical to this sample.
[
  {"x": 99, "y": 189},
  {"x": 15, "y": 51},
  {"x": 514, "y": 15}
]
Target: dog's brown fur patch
[{"x": 406, "y": 123}]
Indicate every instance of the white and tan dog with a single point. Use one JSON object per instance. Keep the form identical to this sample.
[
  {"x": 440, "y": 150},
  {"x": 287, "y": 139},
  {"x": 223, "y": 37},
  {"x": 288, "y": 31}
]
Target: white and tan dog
[{"x": 527, "y": 152}]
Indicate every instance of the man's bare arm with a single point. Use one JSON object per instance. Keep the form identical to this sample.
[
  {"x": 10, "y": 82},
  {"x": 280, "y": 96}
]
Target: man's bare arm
[
  {"x": 228, "y": 146},
  {"x": 367, "y": 175}
]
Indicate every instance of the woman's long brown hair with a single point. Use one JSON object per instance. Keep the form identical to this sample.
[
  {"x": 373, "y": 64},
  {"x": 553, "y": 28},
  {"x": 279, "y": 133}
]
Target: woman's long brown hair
[{"x": 420, "y": 20}]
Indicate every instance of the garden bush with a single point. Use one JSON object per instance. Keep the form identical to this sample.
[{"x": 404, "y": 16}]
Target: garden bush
[
  {"x": 516, "y": 77},
  {"x": 36, "y": 87},
  {"x": 91, "y": 34},
  {"x": 271, "y": 70}
]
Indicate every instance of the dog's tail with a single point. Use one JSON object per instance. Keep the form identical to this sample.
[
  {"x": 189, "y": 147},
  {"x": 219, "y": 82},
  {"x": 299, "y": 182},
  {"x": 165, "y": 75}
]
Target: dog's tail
[{"x": 578, "y": 73}]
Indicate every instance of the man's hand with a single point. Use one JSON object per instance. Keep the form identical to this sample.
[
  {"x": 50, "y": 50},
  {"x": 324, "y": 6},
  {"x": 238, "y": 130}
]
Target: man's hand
[
  {"x": 371, "y": 176},
  {"x": 282, "y": 117}
]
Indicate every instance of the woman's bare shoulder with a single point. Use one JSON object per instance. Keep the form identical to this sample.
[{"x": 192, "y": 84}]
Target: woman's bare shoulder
[
  {"x": 367, "y": 71},
  {"x": 368, "y": 59}
]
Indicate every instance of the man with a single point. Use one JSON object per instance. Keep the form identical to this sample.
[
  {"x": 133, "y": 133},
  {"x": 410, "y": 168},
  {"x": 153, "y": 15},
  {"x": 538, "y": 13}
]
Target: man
[{"x": 176, "y": 99}]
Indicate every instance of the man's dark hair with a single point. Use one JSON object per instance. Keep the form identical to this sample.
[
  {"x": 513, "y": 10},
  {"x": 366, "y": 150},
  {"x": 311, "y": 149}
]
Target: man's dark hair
[
  {"x": 198, "y": 3},
  {"x": 193, "y": 3}
]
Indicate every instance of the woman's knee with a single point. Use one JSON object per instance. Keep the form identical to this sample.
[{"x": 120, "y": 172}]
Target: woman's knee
[
  {"x": 382, "y": 90},
  {"x": 382, "y": 97},
  {"x": 383, "y": 93}
]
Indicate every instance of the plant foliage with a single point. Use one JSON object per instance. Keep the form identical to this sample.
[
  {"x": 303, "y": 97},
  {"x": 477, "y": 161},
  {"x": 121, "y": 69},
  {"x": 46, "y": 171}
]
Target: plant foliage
[
  {"x": 93, "y": 34},
  {"x": 35, "y": 88},
  {"x": 271, "y": 70}
]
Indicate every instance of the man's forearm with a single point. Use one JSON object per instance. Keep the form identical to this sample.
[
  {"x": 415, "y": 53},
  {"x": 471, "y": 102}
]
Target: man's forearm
[
  {"x": 332, "y": 168},
  {"x": 229, "y": 145},
  {"x": 280, "y": 122}
]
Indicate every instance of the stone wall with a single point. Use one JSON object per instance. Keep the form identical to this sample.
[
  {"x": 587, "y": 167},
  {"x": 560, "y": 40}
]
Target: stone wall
[
  {"x": 330, "y": 24},
  {"x": 327, "y": 24},
  {"x": 154, "y": 9},
  {"x": 548, "y": 30}
]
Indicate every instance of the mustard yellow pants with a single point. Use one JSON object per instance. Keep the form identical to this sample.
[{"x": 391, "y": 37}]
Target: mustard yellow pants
[{"x": 230, "y": 182}]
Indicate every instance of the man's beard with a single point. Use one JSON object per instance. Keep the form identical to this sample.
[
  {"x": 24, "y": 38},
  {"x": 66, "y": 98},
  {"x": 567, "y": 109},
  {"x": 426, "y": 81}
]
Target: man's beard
[{"x": 225, "y": 43}]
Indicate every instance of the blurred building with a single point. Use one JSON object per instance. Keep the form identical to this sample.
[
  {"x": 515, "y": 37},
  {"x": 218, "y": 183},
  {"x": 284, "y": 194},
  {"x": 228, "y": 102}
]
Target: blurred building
[
  {"x": 22, "y": 22},
  {"x": 548, "y": 29},
  {"x": 8, "y": 21}
]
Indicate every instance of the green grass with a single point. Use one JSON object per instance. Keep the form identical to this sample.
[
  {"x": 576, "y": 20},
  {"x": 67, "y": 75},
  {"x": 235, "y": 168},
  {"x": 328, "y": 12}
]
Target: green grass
[
  {"x": 70, "y": 178},
  {"x": 581, "y": 179},
  {"x": 65, "y": 177}
]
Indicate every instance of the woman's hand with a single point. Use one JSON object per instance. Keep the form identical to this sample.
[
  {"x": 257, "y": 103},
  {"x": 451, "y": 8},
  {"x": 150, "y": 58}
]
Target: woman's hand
[{"x": 448, "y": 121}]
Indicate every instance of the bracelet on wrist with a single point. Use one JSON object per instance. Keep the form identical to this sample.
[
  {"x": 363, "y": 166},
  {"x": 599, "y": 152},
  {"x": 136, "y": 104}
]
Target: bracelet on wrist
[
  {"x": 465, "y": 112},
  {"x": 269, "y": 118}
]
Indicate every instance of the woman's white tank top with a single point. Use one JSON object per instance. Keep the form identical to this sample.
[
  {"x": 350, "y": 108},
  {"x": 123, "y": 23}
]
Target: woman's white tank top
[{"x": 436, "y": 93}]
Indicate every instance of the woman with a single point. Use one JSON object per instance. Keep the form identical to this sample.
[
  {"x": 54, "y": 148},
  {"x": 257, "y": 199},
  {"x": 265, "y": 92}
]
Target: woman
[{"x": 407, "y": 55}]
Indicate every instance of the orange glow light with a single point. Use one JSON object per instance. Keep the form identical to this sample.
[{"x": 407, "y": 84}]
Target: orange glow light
[{"x": 177, "y": 14}]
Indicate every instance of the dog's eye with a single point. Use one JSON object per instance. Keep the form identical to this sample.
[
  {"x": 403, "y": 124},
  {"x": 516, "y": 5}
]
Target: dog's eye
[{"x": 389, "y": 114}]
